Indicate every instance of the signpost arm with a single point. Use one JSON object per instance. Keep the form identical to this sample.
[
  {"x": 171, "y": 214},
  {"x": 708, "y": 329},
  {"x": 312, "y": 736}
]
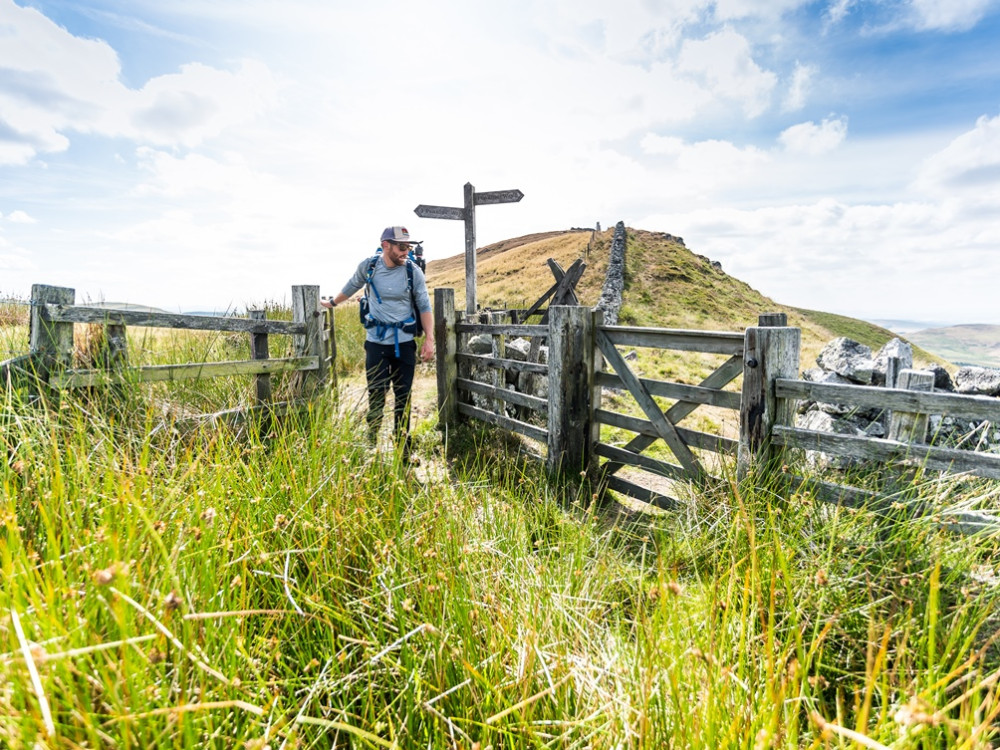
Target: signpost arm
[{"x": 470, "y": 249}]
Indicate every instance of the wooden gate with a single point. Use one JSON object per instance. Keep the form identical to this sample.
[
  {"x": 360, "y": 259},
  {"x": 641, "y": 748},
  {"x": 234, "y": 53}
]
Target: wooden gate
[{"x": 662, "y": 424}]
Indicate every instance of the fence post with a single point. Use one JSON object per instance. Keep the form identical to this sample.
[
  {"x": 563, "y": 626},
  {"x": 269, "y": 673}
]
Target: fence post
[
  {"x": 330, "y": 349},
  {"x": 259, "y": 350},
  {"x": 769, "y": 353},
  {"x": 772, "y": 320},
  {"x": 571, "y": 379},
  {"x": 447, "y": 364},
  {"x": 908, "y": 427},
  {"x": 305, "y": 309},
  {"x": 498, "y": 351},
  {"x": 50, "y": 344}
]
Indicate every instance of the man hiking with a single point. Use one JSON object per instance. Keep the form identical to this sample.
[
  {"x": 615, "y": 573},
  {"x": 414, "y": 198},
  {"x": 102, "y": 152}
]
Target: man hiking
[{"x": 395, "y": 310}]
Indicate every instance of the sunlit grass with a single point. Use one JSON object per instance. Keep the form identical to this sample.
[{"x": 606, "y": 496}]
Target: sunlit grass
[{"x": 183, "y": 587}]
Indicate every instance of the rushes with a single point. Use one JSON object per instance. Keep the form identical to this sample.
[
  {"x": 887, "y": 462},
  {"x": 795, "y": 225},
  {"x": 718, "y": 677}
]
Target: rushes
[{"x": 298, "y": 590}]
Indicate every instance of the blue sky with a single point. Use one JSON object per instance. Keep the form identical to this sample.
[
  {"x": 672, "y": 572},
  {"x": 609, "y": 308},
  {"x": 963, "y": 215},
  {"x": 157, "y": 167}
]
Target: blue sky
[{"x": 842, "y": 156}]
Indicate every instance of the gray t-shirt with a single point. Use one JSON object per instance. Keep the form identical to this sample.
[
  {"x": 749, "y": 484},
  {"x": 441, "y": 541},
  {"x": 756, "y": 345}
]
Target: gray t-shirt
[{"x": 395, "y": 305}]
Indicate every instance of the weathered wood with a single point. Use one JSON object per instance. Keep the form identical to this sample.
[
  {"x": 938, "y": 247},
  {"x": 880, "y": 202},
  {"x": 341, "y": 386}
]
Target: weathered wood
[
  {"x": 469, "y": 193},
  {"x": 948, "y": 404},
  {"x": 691, "y": 393},
  {"x": 306, "y": 311},
  {"x": 191, "y": 371},
  {"x": 566, "y": 281},
  {"x": 499, "y": 351},
  {"x": 521, "y": 428},
  {"x": 259, "y": 351},
  {"x": 723, "y": 375},
  {"x": 911, "y": 427},
  {"x": 68, "y": 313},
  {"x": 892, "y": 372},
  {"x": 447, "y": 365},
  {"x": 652, "y": 465},
  {"x": 967, "y": 523},
  {"x": 885, "y": 451},
  {"x": 503, "y": 394},
  {"x": 693, "y": 438},
  {"x": 770, "y": 353},
  {"x": 663, "y": 426},
  {"x": 513, "y": 331},
  {"x": 711, "y": 342},
  {"x": 651, "y": 497},
  {"x": 515, "y": 365},
  {"x": 50, "y": 342},
  {"x": 772, "y": 320},
  {"x": 595, "y": 398},
  {"x": 571, "y": 372},
  {"x": 330, "y": 351}
]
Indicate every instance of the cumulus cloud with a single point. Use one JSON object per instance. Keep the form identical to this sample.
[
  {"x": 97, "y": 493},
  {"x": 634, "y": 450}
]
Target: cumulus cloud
[
  {"x": 724, "y": 61},
  {"x": 53, "y": 83},
  {"x": 970, "y": 163},
  {"x": 953, "y": 15},
  {"x": 20, "y": 217},
  {"x": 812, "y": 139}
]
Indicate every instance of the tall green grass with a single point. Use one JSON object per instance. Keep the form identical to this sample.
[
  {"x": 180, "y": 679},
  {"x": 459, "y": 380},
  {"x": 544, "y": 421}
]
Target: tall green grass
[{"x": 166, "y": 586}]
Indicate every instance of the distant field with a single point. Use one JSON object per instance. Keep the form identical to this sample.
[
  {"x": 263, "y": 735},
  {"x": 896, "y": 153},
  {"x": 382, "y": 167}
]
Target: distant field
[{"x": 965, "y": 344}]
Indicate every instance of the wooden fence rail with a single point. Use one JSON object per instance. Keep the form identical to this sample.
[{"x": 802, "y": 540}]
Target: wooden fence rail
[{"x": 48, "y": 364}]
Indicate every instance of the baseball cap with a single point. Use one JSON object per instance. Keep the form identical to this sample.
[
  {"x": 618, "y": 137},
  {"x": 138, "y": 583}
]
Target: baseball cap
[{"x": 397, "y": 234}]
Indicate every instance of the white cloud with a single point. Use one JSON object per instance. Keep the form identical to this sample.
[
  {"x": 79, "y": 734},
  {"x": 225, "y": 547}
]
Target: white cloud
[
  {"x": 724, "y": 61},
  {"x": 798, "y": 88},
  {"x": 861, "y": 260},
  {"x": 812, "y": 139},
  {"x": 704, "y": 164},
  {"x": 20, "y": 217},
  {"x": 969, "y": 164},
  {"x": 54, "y": 83},
  {"x": 839, "y": 9},
  {"x": 949, "y": 15}
]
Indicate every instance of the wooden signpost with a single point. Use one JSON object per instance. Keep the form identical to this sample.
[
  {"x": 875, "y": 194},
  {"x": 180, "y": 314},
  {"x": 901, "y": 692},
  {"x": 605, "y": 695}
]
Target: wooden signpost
[{"x": 468, "y": 215}]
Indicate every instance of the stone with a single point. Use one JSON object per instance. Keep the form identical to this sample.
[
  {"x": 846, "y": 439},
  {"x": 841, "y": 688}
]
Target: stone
[
  {"x": 481, "y": 344},
  {"x": 849, "y": 359},
  {"x": 894, "y": 348},
  {"x": 983, "y": 381},
  {"x": 517, "y": 349},
  {"x": 942, "y": 379}
]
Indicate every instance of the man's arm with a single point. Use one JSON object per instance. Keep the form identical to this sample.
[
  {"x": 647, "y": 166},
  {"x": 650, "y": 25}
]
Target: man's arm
[{"x": 335, "y": 300}]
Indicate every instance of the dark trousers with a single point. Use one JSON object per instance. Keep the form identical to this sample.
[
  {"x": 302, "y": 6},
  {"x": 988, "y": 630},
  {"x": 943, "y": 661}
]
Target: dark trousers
[{"x": 383, "y": 369}]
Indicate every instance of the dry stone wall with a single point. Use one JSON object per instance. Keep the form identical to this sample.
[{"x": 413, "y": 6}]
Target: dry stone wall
[{"x": 848, "y": 362}]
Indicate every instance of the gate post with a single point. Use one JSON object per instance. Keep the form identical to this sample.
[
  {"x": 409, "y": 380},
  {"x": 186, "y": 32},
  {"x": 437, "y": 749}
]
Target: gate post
[
  {"x": 447, "y": 363},
  {"x": 259, "y": 349},
  {"x": 768, "y": 354},
  {"x": 571, "y": 382},
  {"x": 50, "y": 344},
  {"x": 306, "y": 309}
]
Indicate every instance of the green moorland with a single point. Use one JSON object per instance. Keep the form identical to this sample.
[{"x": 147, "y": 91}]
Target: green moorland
[{"x": 169, "y": 585}]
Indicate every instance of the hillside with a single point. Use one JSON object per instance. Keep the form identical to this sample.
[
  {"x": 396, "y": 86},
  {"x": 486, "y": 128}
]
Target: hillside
[
  {"x": 964, "y": 344},
  {"x": 666, "y": 285}
]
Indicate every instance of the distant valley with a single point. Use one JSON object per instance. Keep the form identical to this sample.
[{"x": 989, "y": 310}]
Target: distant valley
[{"x": 961, "y": 344}]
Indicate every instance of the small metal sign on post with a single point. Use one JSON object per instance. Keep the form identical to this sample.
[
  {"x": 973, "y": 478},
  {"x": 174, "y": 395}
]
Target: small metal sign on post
[{"x": 468, "y": 214}]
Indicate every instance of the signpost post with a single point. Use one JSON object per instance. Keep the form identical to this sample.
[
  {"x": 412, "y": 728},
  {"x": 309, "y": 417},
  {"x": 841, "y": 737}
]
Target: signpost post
[{"x": 468, "y": 214}]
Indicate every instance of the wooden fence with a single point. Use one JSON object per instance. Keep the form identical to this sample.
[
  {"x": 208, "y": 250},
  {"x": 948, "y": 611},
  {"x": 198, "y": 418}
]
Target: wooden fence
[
  {"x": 585, "y": 358},
  {"x": 48, "y": 366}
]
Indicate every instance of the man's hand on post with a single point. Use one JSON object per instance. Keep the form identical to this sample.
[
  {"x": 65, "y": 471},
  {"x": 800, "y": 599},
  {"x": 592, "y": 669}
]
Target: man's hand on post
[{"x": 427, "y": 350}]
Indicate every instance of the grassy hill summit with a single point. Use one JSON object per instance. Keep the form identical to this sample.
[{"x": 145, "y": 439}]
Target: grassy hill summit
[{"x": 666, "y": 285}]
